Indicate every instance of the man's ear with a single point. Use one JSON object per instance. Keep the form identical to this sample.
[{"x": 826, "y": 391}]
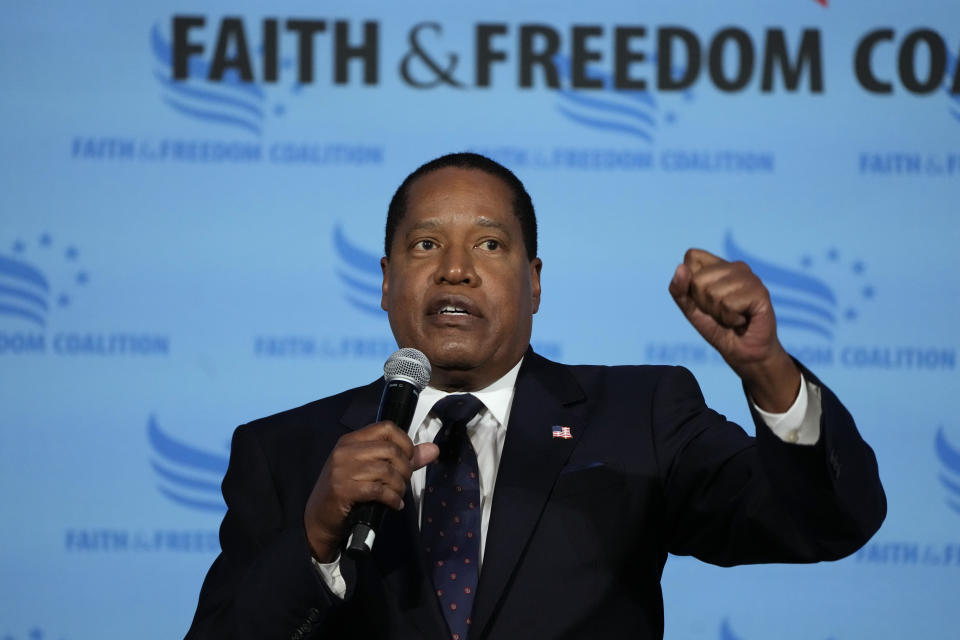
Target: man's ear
[
  {"x": 384, "y": 264},
  {"x": 535, "y": 266}
]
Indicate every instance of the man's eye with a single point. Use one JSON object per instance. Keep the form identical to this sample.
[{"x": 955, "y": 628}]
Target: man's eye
[
  {"x": 425, "y": 245},
  {"x": 490, "y": 245}
]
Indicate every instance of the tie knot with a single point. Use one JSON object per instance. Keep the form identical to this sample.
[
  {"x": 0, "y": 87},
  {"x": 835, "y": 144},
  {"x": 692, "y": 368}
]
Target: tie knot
[{"x": 457, "y": 409}]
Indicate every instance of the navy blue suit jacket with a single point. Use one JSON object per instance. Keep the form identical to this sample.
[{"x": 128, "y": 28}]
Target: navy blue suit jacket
[{"x": 580, "y": 528}]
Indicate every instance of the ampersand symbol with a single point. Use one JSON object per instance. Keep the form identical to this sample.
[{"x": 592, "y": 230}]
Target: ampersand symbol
[{"x": 441, "y": 75}]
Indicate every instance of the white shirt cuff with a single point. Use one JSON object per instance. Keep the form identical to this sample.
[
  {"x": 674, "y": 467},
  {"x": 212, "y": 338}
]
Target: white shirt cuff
[
  {"x": 801, "y": 422},
  {"x": 330, "y": 573}
]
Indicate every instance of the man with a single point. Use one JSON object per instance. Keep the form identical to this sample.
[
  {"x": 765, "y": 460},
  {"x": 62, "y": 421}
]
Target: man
[{"x": 588, "y": 476}]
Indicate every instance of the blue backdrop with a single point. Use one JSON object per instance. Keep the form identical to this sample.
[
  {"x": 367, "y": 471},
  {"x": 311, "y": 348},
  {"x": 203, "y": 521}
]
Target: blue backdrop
[{"x": 191, "y": 218}]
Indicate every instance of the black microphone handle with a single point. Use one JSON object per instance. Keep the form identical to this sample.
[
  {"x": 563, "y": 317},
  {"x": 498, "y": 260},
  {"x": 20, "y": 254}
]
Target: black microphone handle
[{"x": 398, "y": 402}]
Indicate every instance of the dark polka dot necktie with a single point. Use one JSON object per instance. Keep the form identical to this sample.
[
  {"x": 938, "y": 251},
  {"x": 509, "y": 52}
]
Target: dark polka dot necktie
[{"x": 450, "y": 518}]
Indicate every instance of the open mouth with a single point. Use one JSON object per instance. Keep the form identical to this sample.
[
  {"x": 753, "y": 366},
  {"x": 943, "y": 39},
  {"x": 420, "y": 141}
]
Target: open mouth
[
  {"x": 448, "y": 306},
  {"x": 451, "y": 310}
]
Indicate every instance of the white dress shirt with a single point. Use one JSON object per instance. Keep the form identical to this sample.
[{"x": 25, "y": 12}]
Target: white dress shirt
[{"x": 488, "y": 430}]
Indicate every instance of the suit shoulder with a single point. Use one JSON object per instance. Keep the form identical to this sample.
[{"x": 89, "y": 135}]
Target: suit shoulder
[
  {"x": 322, "y": 413},
  {"x": 647, "y": 374}
]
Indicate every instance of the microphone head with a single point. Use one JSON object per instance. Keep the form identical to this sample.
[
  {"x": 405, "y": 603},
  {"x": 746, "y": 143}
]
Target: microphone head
[{"x": 409, "y": 365}]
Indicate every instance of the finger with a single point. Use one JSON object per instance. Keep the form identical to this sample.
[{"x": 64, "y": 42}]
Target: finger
[
  {"x": 358, "y": 454},
  {"x": 726, "y": 298},
  {"x": 424, "y": 454},
  {"x": 693, "y": 302},
  {"x": 398, "y": 437},
  {"x": 680, "y": 289},
  {"x": 382, "y": 493},
  {"x": 380, "y": 472},
  {"x": 697, "y": 259},
  {"x": 384, "y": 430}
]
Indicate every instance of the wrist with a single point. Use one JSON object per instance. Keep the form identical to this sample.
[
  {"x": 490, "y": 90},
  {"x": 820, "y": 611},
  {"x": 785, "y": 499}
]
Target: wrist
[
  {"x": 772, "y": 384},
  {"x": 323, "y": 549}
]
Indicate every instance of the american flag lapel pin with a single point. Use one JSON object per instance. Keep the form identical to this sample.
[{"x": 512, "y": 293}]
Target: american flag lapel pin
[{"x": 562, "y": 432}]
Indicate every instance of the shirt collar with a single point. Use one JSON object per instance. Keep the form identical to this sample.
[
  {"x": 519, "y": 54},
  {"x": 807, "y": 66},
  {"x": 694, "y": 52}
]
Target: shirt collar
[{"x": 496, "y": 398}]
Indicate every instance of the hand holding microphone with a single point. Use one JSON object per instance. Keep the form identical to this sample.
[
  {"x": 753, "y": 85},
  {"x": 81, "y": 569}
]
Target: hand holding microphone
[{"x": 369, "y": 469}]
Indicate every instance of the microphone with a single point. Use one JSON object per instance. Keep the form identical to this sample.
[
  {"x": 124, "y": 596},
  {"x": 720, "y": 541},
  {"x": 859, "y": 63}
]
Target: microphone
[{"x": 406, "y": 373}]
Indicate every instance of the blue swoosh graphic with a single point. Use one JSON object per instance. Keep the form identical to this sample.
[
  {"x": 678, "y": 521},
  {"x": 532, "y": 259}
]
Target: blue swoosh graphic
[
  {"x": 23, "y": 271},
  {"x": 26, "y": 314},
  {"x": 599, "y": 123},
  {"x": 212, "y": 116},
  {"x": 365, "y": 306},
  {"x": 366, "y": 288},
  {"x": 605, "y": 109},
  {"x": 806, "y": 325},
  {"x": 771, "y": 273},
  {"x": 950, "y": 457},
  {"x": 193, "y": 92},
  {"x": 606, "y": 105},
  {"x": 182, "y": 488},
  {"x": 183, "y": 480},
  {"x": 354, "y": 256},
  {"x": 209, "y": 104},
  {"x": 726, "y": 633},
  {"x": 26, "y": 296},
  {"x": 794, "y": 303},
  {"x": 364, "y": 283},
  {"x": 183, "y": 454},
  {"x": 947, "y": 454},
  {"x": 784, "y": 284}
]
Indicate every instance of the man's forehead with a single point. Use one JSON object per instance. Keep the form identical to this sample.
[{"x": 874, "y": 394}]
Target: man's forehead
[{"x": 449, "y": 180}]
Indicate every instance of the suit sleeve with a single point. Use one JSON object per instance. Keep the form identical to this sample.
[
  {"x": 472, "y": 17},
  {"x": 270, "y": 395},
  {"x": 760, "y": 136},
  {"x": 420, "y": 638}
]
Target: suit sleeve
[
  {"x": 733, "y": 499},
  {"x": 263, "y": 584}
]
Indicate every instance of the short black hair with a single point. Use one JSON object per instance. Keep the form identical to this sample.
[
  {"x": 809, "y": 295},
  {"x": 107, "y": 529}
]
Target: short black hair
[{"x": 522, "y": 204}]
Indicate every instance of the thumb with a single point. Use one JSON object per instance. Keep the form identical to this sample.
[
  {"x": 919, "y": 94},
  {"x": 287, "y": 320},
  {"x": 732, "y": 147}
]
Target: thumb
[
  {"x": 680, "y": 290},
  {"x": 705, "y": 325},
  {"x": 424, "y": 454}
]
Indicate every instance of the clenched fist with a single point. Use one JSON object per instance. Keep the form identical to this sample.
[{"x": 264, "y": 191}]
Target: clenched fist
[{"x": 730, "y": 307}]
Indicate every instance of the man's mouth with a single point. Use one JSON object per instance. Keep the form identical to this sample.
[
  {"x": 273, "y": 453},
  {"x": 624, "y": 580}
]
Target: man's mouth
[
  {"x": 450, "y": 310},
  {"x": 454, "y": 307}
]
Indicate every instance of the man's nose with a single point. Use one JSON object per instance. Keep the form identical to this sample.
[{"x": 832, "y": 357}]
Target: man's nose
[{"x": 457, "y": 267}]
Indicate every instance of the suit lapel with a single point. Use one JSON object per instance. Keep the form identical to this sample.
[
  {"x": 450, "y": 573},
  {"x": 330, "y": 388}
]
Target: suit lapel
[
  {"x": 397, "y": 551},
  {"x": 546, "y": 396}
]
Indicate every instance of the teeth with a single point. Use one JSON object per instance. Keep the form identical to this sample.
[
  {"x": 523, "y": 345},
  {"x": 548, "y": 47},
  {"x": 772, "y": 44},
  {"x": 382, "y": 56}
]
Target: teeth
[{"x": 449, "y": 309}]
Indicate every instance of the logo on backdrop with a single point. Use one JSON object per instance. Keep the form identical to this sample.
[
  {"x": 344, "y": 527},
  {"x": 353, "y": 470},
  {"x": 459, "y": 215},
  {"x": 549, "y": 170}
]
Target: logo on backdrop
[
  {"x": 938, "y": 553},
  {"x": 635, "y": 113},
  {"x": 239, "y": 76},
  {"x": 218, "y": 95},
  {"x": 185, "y": 474},
  {"x": 804, "y": 302},
  {"x": 26, "y": 292},
  {"x": 819, "y": 297},
  {"x": 358, "y": 271},
  {"x": 42, "y": 280},
  {"x": 949, "y": 455}
]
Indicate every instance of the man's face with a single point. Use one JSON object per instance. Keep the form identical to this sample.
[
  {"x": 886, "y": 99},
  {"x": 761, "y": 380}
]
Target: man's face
[{"x": 458, "y": 284}]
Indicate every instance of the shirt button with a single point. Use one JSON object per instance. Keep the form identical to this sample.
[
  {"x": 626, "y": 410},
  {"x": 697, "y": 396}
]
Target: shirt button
[{"x": 793, "y": 435}]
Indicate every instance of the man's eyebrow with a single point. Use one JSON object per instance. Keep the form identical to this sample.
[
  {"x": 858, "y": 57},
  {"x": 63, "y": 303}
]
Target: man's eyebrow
[
  {"x": 426, "y": 225},
  {"x": 431, "y": 224},
  {"x": 484, "y": 221}
]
